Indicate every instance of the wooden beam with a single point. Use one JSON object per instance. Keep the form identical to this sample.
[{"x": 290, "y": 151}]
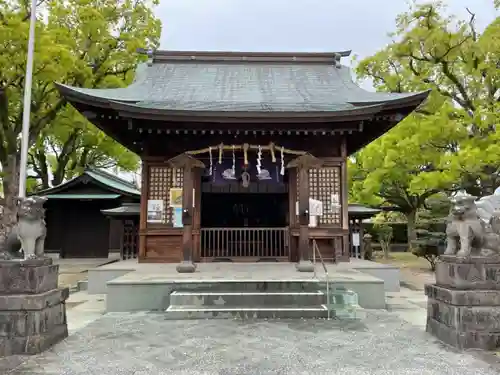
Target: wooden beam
[
  {"x": 344, "y": 198},
  {"x": 184, "y": 160},
  {"x": 305, "y": 161}
]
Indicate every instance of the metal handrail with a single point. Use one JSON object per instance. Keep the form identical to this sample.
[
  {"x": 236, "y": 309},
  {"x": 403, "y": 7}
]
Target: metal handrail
[{"x": 327, "y": 277}]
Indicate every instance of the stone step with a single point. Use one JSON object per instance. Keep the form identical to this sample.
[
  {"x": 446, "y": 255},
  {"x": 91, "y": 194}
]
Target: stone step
[
  {"x": 239, "y": 312},
  {"x": 247, "y": 298},
  {"x": 215, "y": 285},
  {"x": 82, "y": 285}
]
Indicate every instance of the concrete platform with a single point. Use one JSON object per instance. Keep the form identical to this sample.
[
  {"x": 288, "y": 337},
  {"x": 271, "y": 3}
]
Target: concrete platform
[
  {"x": 131, "y": 286},
  {"x": 390, "y": 274}
]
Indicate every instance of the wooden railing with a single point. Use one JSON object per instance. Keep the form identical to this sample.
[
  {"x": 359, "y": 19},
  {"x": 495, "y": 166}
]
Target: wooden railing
[{"x": 244, "y": 243}]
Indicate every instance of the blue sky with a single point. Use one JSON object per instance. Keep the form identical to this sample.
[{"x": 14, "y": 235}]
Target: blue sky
[{"x": 290, "y": 25}]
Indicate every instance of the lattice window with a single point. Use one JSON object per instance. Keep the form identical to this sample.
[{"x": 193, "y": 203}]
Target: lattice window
[
  {"x": 322, "y": 184},
  {"x": 161, "y": 180}
]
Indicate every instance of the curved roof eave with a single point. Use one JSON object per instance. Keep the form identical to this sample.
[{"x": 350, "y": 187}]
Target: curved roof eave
[
  {"x": 397, "y": 102},
  {"x": 131, "y": 109},
  {"x": 75, "y": 94},
  {"x": 362, "y": 109}
]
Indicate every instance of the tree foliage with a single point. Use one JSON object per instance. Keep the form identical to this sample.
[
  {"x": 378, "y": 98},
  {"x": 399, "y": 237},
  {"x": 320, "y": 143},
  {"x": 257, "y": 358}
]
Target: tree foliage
[
  {"x": 452, "y": 141},
  {"x": 85, "y": 43}
]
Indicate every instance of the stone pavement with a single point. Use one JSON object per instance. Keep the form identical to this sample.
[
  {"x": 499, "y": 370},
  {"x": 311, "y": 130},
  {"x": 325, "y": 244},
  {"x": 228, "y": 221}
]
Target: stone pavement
[
  {"x": 71, "y": 271},
  {"x": 385, "y": 343}
]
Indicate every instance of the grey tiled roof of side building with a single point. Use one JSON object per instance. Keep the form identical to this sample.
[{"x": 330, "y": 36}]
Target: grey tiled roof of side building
[{"x": 242, "y": 86}]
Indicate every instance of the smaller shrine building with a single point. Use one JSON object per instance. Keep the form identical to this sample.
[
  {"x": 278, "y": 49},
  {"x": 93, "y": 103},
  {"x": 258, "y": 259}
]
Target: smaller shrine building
[
  {"x": 244, "y": 155},
  {"x": 78, "y": 212}
]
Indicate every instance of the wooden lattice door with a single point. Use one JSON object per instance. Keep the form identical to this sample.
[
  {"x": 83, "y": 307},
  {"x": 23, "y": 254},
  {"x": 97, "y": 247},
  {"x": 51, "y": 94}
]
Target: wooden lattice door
[{"x": 130, "y": 245}]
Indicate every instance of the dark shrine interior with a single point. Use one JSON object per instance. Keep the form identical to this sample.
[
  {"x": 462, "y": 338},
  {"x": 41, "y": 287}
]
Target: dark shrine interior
[
  {"x": 229, "y": 204},
  {"x": 240, "y": 210}
]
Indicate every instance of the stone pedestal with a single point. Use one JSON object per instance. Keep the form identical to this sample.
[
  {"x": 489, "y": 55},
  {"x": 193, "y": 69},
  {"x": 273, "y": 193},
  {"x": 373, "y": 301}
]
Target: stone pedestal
[
  {"x": 463, "y": 308},
  {"x": 32, "y": 308}
]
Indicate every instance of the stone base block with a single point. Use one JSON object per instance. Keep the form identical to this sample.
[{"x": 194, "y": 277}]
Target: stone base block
[
  {"x": 27, "y": 277},
  {"x": 479, "y": 297},
  {"x": 464, "y": 318},
  {"x": 32, "y": 344},
  {"x": 186, "y": 267},
  {"x": 31, "y": 323},
  {"x": 305, "y": 266},
  {"x": 475, "y": 272},
  {"x": 463, "y": 339}
]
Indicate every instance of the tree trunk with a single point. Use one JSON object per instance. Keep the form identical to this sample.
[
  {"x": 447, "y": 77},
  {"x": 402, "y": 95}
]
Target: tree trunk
[
  {"x": 411, "y": 230},
  {"x": 11, "y": 192}
]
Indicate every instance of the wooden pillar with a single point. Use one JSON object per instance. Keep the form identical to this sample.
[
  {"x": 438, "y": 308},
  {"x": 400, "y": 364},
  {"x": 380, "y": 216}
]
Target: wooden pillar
[
  {"x": 188, "y": 163},
  {"x": 303, "y": 164},
  {"x": 143, "y": 210},
  {"x": 304, "y": 264},
  {"x": 187, "y": 221},
  {"x": 344, "y": 199},
  {"x": 361, "y": 242}
]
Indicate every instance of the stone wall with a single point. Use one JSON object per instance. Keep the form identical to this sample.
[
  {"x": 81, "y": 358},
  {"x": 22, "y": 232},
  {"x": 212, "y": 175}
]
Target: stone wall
[{"x": 32, "y": 308}]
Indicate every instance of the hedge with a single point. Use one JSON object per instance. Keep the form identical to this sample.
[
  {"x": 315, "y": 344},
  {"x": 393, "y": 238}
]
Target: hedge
[{"x": 399, "y": 231}]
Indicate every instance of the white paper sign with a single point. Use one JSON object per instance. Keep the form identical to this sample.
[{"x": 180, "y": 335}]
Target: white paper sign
[
  {"x": 335, "y": 203},
  {"x": 155, "y": 211},
  {"x": 315, "y": 207},
  {"x": 355, "y": 239},
  {"x": 313, "y": 221}
]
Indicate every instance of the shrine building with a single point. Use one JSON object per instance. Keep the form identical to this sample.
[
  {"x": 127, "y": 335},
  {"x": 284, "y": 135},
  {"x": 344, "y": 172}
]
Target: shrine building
[{"x": 244, "y": 155}]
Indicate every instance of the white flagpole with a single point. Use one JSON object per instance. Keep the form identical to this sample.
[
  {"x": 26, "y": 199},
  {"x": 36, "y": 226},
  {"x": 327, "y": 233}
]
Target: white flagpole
[{"x": 27, "y": 103}]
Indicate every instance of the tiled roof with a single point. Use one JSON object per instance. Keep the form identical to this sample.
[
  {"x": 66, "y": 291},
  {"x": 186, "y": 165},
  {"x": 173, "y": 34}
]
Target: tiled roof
[
  {"x": 113, "y": 181},
  {"x": 108, "y": 180},
  {"x": 282, "y": 84}
]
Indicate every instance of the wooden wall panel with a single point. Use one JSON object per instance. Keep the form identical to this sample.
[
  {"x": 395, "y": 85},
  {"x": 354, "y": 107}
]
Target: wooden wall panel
[
  {"x": 330, "y": 247},
  {"x": 166, "y": 248},
  {"x": 327, "y": 248}
]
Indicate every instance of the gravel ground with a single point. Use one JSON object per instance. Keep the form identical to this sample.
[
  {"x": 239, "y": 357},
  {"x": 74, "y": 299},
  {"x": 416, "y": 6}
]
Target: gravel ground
[{"x": 147, "y": 344}]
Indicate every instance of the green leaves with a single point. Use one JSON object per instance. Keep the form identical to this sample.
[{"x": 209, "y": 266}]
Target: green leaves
[
  {"x": 450, "y": 143},
  {"x": 453, "y": 141},
  {"x": 85, "y": 43}
]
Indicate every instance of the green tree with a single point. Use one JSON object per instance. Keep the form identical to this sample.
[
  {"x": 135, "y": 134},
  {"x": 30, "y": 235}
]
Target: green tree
[
  {"x": 87, "y": 43},
  {"x": 460, "y": 63},
  {"x": 72, "y": 145},
  {"x": 452, "y": 141},
  {"x": 404, "y": 168}
]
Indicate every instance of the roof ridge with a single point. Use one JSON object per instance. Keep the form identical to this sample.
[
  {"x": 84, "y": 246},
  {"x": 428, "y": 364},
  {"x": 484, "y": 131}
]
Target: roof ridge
[
  {"x": 245, "y": 57},
  {"x": 111, "y": 176}
]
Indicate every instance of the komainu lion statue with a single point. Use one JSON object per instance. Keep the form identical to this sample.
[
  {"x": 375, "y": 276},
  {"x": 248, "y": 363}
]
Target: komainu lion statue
[
  {"x": 29, "y": 233},
  {"x": 474, "y": 226}
]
